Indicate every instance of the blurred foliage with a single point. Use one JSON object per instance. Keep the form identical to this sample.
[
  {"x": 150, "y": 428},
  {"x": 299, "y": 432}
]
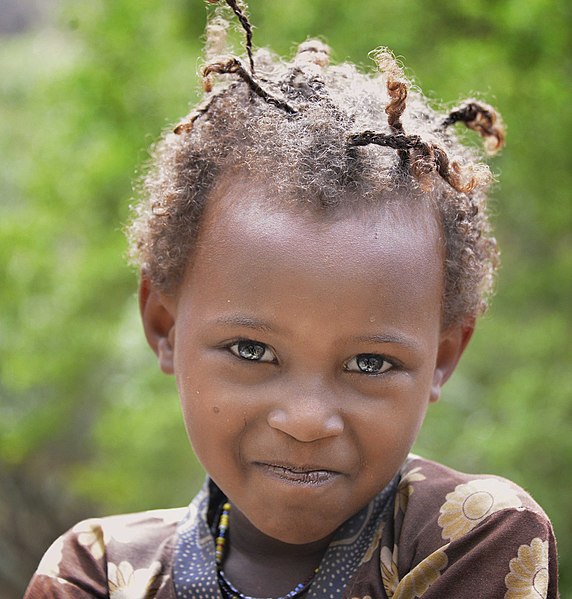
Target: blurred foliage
[{"x": 87, "y": 422}]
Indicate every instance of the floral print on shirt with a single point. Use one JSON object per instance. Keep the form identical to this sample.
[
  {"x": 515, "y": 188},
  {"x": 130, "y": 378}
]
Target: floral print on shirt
[{"x": 440, "y": 533}]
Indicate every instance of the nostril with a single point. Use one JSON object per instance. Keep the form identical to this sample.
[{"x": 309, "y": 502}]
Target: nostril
[
  {"x": 335, "y": 425},
  {"x": 276, "y": 418},
  {"x": 306, "y": 426}
]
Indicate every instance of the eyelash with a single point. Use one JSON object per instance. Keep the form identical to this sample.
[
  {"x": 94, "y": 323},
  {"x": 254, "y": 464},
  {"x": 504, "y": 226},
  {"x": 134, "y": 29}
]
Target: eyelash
[
  {"x": 235, "y": 349},
  {"x": 368, "y": 360},
  {"x": 259, "y": 351}
]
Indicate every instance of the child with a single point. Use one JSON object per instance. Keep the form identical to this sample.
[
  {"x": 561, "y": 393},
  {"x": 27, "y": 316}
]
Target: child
[{"x": 314, "y": 251}]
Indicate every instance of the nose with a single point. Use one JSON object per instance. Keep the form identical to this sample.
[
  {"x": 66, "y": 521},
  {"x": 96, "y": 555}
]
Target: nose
[{"x": 307, "y": 415}]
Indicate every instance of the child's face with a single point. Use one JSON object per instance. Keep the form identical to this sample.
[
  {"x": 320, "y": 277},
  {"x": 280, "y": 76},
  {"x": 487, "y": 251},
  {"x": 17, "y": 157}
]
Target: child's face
[{"x": 306, "y": 352}]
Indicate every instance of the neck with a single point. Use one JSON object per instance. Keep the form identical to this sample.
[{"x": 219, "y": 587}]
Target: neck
[
  {"x": 262, "y": 566},
  {"x": 247, "y": 539}
]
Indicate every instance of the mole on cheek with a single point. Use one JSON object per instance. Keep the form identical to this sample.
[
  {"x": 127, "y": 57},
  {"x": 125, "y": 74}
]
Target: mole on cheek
[{"x": 216, "y": 409}]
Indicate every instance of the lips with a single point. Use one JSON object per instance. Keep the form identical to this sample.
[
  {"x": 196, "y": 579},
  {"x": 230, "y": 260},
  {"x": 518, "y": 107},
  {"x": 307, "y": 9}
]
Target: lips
[{"x": 307, "y": 476}]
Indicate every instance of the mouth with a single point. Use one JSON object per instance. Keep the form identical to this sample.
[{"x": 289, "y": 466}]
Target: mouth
[{"x": 306, "y": 476}]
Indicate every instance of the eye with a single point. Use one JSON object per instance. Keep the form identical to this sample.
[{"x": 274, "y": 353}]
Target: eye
[
  {"x": 368, "y": 364},
  {"x": 252, "y": 350}
]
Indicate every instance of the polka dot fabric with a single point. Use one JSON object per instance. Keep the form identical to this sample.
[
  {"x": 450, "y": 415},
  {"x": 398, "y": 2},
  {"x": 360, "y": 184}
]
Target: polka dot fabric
[
  {"x": 194, "y": 571},
  {"x": 432, "y": 533}
]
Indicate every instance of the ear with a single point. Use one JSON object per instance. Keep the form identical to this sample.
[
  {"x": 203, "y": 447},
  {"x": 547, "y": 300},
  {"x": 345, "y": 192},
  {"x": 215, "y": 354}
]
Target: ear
[
  {"x": 157, "y": 314},
  {"x": 452, "y": 344}
]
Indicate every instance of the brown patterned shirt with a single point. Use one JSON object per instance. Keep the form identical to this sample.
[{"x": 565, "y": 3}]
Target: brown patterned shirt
[{"x": 443, "y": 535}]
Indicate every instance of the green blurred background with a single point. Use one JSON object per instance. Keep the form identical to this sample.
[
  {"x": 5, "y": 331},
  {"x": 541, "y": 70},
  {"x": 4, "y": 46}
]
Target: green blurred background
[{"x": 88, "y": 425}]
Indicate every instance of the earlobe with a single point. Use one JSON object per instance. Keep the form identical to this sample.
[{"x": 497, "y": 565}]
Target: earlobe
[
  {"x": 157, "y": 314},
  {"x": 451, "y": 347}
]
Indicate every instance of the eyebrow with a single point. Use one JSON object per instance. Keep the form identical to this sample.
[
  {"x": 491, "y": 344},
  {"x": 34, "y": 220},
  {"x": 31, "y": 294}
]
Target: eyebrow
[
  {"x": 396, "y": 339},
  {"x": 255, "y": 324},
  {"x": 245, "y": 321}
]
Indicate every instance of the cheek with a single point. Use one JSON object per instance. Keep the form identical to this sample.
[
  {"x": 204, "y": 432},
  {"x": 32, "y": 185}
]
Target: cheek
[
  {"x": 209, "y": 430},
  {"x": 202, "y": 409},
  {"x": 388, "y": 427},
  {"x": 213, "y": 411},
  {"x": 391, "y": 430}
]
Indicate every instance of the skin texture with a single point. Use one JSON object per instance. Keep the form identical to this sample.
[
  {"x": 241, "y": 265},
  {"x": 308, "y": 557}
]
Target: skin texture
[{"x": 302, "y": 439}]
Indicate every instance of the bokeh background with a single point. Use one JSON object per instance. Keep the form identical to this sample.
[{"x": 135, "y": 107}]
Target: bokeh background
[{"x": 88, "y": 425}]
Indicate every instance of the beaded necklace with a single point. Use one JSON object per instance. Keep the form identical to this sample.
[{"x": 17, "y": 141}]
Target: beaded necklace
[{"x": 228, "y": 589}]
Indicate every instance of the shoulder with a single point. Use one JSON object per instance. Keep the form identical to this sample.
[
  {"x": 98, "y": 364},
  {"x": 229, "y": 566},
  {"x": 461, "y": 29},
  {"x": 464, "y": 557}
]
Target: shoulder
[
  {"x": 100, "y": 555},
  {"x": 456, "y": 500},
  {"x": 476, "y": 535},
  {"x": 137, "y": 531},
  {"x": 434, "y": 484}
]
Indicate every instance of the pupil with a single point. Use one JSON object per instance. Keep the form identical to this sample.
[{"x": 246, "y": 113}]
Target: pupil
[
  {"x": 369, "y": 363},
  {"x": 250, "y": 351}
]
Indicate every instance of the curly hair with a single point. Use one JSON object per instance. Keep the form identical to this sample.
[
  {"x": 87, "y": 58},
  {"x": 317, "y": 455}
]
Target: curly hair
[{"x": 320, "y": 133}]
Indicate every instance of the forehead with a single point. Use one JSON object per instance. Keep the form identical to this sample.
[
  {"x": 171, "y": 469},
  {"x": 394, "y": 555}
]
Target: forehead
[
  {"x": 257, "y": 240},
  {"x": 260, "y": 212}
]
